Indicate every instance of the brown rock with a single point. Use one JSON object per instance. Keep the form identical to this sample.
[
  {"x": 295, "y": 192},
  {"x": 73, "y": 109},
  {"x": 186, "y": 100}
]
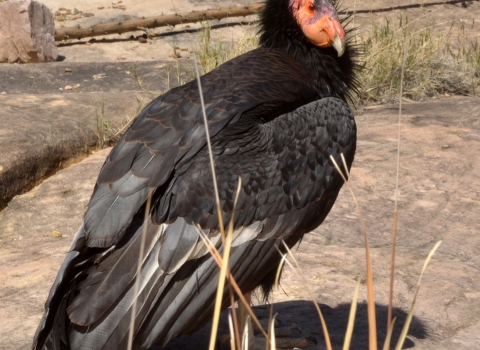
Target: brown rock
[{"x": 27, "y": 32}]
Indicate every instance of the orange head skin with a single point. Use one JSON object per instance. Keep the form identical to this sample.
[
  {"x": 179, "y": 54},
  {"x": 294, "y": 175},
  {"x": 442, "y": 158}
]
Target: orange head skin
[{"x": 319, "y": 22}]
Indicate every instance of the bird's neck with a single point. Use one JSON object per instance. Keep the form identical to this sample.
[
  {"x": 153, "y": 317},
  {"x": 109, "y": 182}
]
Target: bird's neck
[{"x": 331, "y": 75}]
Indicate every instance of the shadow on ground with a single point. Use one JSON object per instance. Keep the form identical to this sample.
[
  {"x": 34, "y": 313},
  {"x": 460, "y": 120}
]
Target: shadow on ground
[{"x": 304, "y": 314}]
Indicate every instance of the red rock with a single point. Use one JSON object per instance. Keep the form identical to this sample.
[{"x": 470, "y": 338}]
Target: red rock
[{"x": 27, "y": 32}]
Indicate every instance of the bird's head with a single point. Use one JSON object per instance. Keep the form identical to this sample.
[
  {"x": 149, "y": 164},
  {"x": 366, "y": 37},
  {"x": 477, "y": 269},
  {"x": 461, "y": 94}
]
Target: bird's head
[
  {"x": 288, "y": 24},
  {"x": 319, "y": 23},
  {"x": 311, "y": 32}
]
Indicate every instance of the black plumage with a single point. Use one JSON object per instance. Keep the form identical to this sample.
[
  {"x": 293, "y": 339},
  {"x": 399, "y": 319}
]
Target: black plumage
[{"x": 275, "y": 116}]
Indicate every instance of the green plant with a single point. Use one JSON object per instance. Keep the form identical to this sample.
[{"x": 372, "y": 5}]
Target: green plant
[
  {"x": 103, "y": 127},
  {"x": 212, "y": 54}
]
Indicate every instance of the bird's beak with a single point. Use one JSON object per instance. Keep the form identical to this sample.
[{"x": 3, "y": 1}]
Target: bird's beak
[{"x": 330, "y": 33}]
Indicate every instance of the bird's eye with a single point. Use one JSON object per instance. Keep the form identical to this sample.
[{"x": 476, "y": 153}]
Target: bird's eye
[{"x": 311, "y": 7}]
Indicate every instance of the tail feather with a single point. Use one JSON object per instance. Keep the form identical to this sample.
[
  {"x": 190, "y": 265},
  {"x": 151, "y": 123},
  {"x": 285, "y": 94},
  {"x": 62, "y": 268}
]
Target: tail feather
[
  {"x": 106, "y": 282},
  {"x": 109, "y": 331},
  {"x": 52, "y": 320},
  {"x": 168, "y": 304}
]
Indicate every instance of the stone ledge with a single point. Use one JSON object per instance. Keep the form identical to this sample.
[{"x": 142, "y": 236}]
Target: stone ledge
[
  {"x": 44, "y": 133},
  {"x": 52, "y": 77},
  {"x": 44, "y": 129}
]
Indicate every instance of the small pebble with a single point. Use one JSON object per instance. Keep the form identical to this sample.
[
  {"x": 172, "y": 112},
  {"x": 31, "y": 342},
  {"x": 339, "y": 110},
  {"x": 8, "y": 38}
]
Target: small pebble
[
  {"x": 99, "y": 76},
  {"x": 57, "y": 234},
  {"x": 68, "y": 87}
]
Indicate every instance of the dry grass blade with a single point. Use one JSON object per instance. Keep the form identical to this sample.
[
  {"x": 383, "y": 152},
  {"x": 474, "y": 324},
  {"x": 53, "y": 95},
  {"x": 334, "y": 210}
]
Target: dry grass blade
[
  {"x": 277, "y": 280},
  {"x": 232, "y": 333},
  {"x": 227, "y": 241},
  {"x": 406, "y": 326},
  {"x": 234, "y": 312},
  {"x": 271, "y": 331},
  {"x": 229, "y": 276},
  {"x": 279, "y": 270},
  {"x": 223, "y": 273},
  {"x": 386, "y": 345},
  {"x": 351, "y": 319},
  {"x": 218, "y": 259},
  {"x": 139, "y": 270},
  {"x": 328, "y": 343},
  {"x": 210, "y": 153},
  {"x": 245, "y": 339},
  {"x": 140, "y": 83},
  {"x": 372, "y": 323},
  {"x": 395, "y": 212}
]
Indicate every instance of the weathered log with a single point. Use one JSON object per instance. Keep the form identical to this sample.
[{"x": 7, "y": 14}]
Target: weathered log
[
  {"x": 26, "y": 32},
  {"x": 79, "y": 32}
]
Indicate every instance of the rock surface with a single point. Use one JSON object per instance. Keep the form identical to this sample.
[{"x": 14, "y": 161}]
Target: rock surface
[
  {"x": 439, "y": 199},
  {"x": 44, "y": 127},
  {"x": 27, "y": 32},
  {"x": 43, "y": 133}
]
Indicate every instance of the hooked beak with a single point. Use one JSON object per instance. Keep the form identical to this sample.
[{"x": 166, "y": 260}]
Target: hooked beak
[
  {"x": 339, "y": 44},
  {"x": 328, "y": 32}
]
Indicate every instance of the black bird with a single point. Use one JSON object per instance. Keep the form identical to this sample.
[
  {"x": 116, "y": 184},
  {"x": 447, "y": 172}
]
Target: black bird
[{"x": 275, "y": 115}]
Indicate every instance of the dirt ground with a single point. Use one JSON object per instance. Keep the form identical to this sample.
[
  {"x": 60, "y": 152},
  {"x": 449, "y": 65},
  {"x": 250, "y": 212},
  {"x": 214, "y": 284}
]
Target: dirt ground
[{"x": 439, "y": 199}]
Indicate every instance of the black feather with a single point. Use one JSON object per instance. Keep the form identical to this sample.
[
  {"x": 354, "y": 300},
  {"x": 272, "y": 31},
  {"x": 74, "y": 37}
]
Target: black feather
[{"x": 275, "y": 116}]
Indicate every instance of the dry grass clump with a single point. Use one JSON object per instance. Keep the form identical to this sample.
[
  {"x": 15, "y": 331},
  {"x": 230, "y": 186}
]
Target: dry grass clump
[
  {"x": 437, "y": 61},
  {"x": 212, "y": 54},
  {"x": 103, "y": 128}
]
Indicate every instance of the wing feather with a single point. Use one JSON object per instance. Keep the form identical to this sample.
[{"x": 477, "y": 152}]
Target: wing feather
[
  {"x": 106, "y": 282},
  {"x": 261, "y": 131},
  {"x": 108, "y": 216},
  {"x": 178, "y": 245}
]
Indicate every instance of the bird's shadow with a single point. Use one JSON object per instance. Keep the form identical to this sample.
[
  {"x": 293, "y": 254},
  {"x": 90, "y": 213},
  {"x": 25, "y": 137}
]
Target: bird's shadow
[{"x": 304, "y": 314}]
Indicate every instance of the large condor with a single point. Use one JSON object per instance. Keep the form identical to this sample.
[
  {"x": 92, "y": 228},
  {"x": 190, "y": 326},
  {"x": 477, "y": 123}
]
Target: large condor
[{"x": 275, "y": 115}]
